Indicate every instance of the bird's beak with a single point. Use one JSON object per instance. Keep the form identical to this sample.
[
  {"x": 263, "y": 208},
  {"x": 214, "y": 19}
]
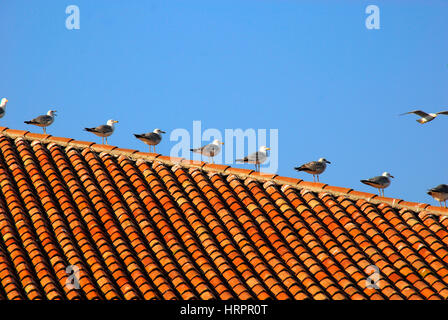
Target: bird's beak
[
  {"x": 6, "y": 100},
  {"x": 221, "y": 142},
  {"x": 115, "y": 121},
  {"x": 268, "y": 148},
  {"x": 392, "y": 176},
  {"x": 327, "y": 161},
  {"x": 162, "y": 131}
]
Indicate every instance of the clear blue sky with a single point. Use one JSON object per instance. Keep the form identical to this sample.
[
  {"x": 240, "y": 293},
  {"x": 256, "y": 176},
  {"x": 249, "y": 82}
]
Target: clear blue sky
[{"x": 307, "y": 68}]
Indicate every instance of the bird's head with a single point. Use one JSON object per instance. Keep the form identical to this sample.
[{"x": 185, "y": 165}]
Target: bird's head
[
  {"x": 217, "y": 142},
  {"x": 324, "y": 160},
  {"x": 158, "y": 131},
  {"x": 264, "y": 148},
  {"x": 387, "y": 174},
  {"x": 51, "y": 113},
  {"x": 3, "y": 101},
  {"x": 111, "y": 122}
]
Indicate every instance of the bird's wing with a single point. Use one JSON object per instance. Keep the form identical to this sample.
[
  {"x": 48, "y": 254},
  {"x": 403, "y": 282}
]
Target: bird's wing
[
  {"x": 313, "y": 165},
  {"x": 443, "y": 112},
  {"x": 381, "y": 180},
  {"x": 103, "y": 129},
  {"x": 254, "y": 156},
  {"x": 151, "y": 136},
  {"x": 440, "y": 188},
  {"x": 42, "y": 119},
  {"x": 417, "y": 112},
  {"x": 201, "y": 149}
]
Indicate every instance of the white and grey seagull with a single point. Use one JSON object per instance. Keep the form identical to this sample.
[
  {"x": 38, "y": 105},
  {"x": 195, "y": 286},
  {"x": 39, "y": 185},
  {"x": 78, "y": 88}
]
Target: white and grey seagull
[
  {"x": 210, "y": 150},
  {"x": 314, "y": 167},
  {"x": 380, "y": 182},
  {"x": 151, "y": 138},
  {"x": 104, "y": 130},
  {"x": 3, "y": 103},
  {"x": 425, "y": 117},
  {"x": 43, "y": 121},
  {"x": 439, "y": 193},
  {"x": 256, "y": 158}
]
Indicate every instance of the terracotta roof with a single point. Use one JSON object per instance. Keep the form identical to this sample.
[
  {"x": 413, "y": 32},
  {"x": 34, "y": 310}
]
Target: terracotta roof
[{"x": 145, "y": 226}]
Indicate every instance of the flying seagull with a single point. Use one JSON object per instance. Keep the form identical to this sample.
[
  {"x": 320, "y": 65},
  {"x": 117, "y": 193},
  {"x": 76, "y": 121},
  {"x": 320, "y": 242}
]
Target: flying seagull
[
  {"x": 151, "y": 138},
  {"x": 439, "y": 193},
  {"x": 314, "y": 167},
  {"x": 43, "y": 121},
  {"x": 104, "y": 130},
  {"x": 425, "y": 117},
  {"x": 209, "y": 150},
  {"x": 256, "y": 158},
  {"x": 380, "y": 182},
  {"x": 3, "y": 107}
]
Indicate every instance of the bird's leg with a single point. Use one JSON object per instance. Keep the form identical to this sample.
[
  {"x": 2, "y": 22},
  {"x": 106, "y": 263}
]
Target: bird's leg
[
  {"x": 102, "y": 140},
  {"x": 44, "y": 130},
  {"x": 318, "y": 178}
]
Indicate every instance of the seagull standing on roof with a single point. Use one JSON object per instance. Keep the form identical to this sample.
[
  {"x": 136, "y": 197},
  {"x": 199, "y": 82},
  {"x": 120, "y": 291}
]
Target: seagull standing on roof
[
  {"x": 43, "y": 121},
  {"x": 314, "y": 167},
  {"x": 380, "y": 182},
  {"x": 104, "y": 130},
  {"x": 151, "y": 138},
  {"x": 256, "y": 158},
  {"x": 439, "y": 193},
  {"x": 3, "y": 103},
  {"x": 209, "y": 150},
  {"x": 425, "y": 117}
]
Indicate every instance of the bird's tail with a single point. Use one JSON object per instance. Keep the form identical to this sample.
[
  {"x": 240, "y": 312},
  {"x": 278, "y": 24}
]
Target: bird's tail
[
  {"x": 239, "y": 160},
  {"x": 365, "y": 181},
  {"x": 28, "y": 122},
  {"x": 137, "y": 135},
  {"x": 298, "y": 168},
  {"x": 89, "y": 129}
]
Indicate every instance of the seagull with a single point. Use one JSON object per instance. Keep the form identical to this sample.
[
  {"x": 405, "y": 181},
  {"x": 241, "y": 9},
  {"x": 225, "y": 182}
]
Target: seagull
[
  {"x": 43, "y": 121},
  {"x": 151, "y": 138},
  {"x": 209, "y": 150},
  {"x": 314, "y": 167},
  {"x": 380, "y": 182},
  {"x": 425, "y": 117},
  {"x": 104, "y": 130},
  {"x": 256, "y": 158},
  {"x": 3, "y": 107},
  {"x": 439, "y": 193}
]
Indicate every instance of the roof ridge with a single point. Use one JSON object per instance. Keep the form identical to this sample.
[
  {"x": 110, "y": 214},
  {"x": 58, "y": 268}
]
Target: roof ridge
[{"x": 284, "y": 182}]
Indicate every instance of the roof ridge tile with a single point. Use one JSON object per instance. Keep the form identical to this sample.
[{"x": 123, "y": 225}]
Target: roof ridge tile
[{"x": 218, "y": 168}]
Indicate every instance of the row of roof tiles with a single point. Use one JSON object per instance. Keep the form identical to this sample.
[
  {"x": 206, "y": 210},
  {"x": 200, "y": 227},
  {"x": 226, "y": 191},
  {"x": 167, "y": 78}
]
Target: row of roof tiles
[{"x": 301, "y": 184}]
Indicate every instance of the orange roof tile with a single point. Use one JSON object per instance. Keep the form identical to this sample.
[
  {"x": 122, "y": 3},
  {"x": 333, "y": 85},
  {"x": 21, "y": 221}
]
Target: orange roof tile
[{"x": 145, "y": 226}]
